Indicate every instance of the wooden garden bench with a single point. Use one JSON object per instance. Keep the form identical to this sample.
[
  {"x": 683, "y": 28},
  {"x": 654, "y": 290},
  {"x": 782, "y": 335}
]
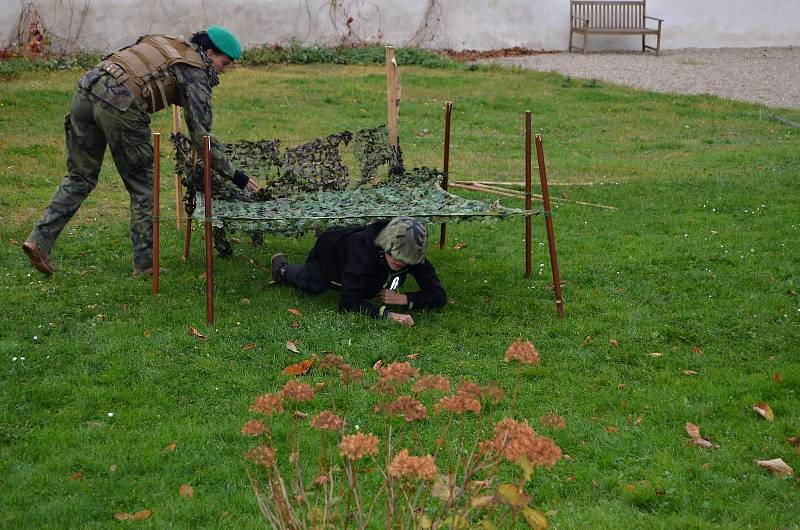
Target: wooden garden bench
[{"x": 605, "y": 17}]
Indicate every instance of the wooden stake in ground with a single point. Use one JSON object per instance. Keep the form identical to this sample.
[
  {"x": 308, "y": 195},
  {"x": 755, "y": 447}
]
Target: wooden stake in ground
[
  {"x": 448, "y": 110},
  {"x": 209, "y": 235},
  {"x": 548, "y": 219},
  {"x": 176, "y": 127},
  {"x": 392, "y": 94},
  {"x": 156, "y": 205}
]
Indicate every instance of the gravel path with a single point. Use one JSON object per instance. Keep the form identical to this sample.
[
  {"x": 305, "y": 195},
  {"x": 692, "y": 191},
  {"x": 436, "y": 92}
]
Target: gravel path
[{"x": 770, "y": 76}]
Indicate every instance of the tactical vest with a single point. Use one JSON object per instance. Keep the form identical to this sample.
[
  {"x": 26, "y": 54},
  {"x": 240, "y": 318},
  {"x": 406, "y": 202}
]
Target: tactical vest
[{"x": 144, "y": 68}]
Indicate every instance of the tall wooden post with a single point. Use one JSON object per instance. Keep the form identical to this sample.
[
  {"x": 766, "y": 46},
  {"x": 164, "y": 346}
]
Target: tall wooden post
[
  {"x": 528, "y": 235},
  {"x": 209, "y": 234},
  {"x": 548, "y": 219},
  {"x": 156, "y": 205},
  {"x": 176, "y": 127},
  {"x": 187, "y": 238},
  {"x": 392, "y": 94},
  {"x": 448, "y": 110}
]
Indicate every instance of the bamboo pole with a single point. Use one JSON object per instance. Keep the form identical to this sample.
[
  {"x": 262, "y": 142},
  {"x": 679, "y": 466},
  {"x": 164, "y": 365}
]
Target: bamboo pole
[
  {"x": 392, "y": 94},
  {"x": 551, "y": 236},
  {"x": 187, "y": 238},
  {"x": 176, "y": 127},
  {"x": 528, "y": 235},
  {"x": 471, "y": 187},
  {"x": 448, "y": 111},
  {"x": 156, "y": 206},
  {"x": 490, "y": 187},
  {"x": 209, "y": 235}
]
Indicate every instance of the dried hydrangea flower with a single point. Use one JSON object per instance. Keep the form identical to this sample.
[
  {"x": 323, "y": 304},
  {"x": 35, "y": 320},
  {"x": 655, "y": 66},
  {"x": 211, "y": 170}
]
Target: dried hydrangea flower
[
  {"x": 493, "y": 393},
  {"x": 408, "y": 407},
  {"x": 522, "y": 351},
  {"x": 298, "y": 391},
  {"x": 350, "y": 374},
  {"x": 253, "y": 428},
  {"x": 399, "y": 372},
  {"x": 268, "y": 404},
  {"x": 413, "y": 467},
  {"x": 514, "y": 440},
  {"x": 458, "y": 404},
  {"x": 357, "y": 446},
  {"x": 431, "y": 382},
  {"x": 327, "y": 421},
  {"x": 330, "y": 361},
  {"x": 261, "y": 455},
  {"x": 468, "y": 389}
]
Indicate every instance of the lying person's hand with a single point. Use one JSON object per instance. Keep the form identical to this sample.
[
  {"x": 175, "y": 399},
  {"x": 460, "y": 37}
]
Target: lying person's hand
[
  {"x": 251, "y": 185},
  {"x": 400, "y": 318},
  {"x": 392, "y": 297}
]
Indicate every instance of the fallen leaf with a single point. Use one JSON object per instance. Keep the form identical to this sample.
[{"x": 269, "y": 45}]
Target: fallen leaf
[
  {"x": 202, "y": 277},
  {"x": 112, "y": 468},
  {"x": 294, "y": 311},
  {"x": 76, "y": 476},
  {"x": 300, "y": 416},
  {"x": 482, "y": 502},
  {"x": 249, "y": 346},
  {"x": 459, "y": 246},
  {"x": 122, "y": 516},
  {"x": 611, "y": 428},
  {"x": 585, "y": 342},
  {"x": 319, "y": 386},
  {"x": 170, "y": 447},
  {"x": 186, "y": 491},
  {"x": 630, "y": 488},
  {"x": 412, "y": 356},
  {"x": 296, "y": 324},
  {"x": 656, "y": 354},
  {"x": 291, "y": 345},
  {"x": 140, "y": 515},
  {"x": 535, "y": 519},
  {"x": 696, "y": 349},
  {"x": 777, "y": 466},
  {"x": 245, "y": 301},
  {"x": 777, "y": 377},
  {"x": 195, "y": 332},
  {"x": 148, "y": 333},
  {"x": 13, "y": 242},
  {"x": 512, "y": 495},
  {"x": 621, "y": 386},
  {"x": 694, "y": 432},
  {"x": 377, "y": 364},
  {"x": 764, "y": 411},
  {"x": 794, "y": 440},
  {"x": 442, "y": 487},
  {"x": 689, "y": 372},
  {"x": 614, "y": 342},
  {"x": 300, "y": 368}
]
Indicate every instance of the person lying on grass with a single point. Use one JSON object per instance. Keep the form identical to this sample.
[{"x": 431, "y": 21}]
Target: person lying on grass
[{"x": 367, "y": 262}]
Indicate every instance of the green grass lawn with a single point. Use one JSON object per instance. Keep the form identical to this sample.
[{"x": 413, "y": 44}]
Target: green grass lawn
[{"x": 700, "y": 262}]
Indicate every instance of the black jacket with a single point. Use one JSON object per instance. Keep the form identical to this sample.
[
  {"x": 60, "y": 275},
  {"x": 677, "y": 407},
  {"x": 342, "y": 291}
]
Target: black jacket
[{"x": 350, "y": 258}]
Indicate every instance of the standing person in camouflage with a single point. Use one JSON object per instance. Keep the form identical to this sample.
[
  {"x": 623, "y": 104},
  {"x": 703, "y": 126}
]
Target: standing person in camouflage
[
  {"x": 111, "y": 107},
  {"x": 367, "y": 262}
]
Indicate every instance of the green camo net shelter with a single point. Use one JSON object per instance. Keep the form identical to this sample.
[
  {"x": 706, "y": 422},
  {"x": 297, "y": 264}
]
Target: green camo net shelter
[{"x": 310, "y": 187}]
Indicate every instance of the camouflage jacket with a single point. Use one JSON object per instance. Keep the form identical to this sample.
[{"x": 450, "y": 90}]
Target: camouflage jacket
[{"x": 193, "y": 93}]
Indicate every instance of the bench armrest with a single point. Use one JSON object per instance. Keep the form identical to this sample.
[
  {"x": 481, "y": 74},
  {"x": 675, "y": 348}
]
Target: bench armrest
[
  {"x": 654, "y": 18},
  {"x": 585, "y": 21}
]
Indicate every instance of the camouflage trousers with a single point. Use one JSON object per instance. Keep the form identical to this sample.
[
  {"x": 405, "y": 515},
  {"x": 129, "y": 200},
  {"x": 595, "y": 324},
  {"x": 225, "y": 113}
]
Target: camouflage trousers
[{"x": 90, "y": 126}]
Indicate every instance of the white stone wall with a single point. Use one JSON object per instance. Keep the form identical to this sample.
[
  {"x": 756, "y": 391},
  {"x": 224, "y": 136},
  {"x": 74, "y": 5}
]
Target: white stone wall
[{"x": 459, "y": 24}]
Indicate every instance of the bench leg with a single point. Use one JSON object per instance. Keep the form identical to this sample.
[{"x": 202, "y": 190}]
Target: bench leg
[
  {"x": 644, "y": 47},
  {"x": 585, "y": 41},
  {"x": 658, "y": 40},
  {"x": 571, "y": 32}
]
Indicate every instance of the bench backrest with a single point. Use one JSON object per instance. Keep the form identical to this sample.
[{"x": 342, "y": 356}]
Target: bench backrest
[{"x": 610, "y": 14}]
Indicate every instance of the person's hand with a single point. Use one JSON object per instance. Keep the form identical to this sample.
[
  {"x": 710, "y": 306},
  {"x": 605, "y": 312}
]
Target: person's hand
[
  {"x": 402, "y": 319},
  {"x": 392, "y": 297},
  {"x": 251, "y": 185}
]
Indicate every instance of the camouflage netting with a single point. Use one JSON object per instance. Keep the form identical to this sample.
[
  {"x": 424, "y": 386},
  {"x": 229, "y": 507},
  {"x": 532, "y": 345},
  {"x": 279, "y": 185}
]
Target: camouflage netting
[{"x": 309, "y": 187}]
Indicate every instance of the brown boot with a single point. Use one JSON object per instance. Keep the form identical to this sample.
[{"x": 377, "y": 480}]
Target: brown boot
[{"x": 38, "y": 258}]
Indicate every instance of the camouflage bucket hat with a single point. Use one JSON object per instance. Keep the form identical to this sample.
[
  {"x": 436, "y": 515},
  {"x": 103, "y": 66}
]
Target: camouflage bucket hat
[{"x": 404, "y": 238}]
